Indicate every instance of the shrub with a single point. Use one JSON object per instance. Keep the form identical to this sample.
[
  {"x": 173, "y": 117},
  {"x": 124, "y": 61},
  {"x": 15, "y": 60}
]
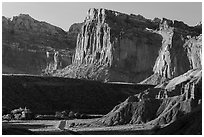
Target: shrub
[{"x": 71, "y": 114}]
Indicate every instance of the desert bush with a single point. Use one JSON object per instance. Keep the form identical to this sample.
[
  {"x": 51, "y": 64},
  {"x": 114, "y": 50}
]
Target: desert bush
[
  {"x": 17, "y": 116},
  {"x": 83, "y": 116},
  {"x": 71, "y": 114},
  {"x": 7, "y": 117},
  {"x": 77, "y": 115},
  {"x": 58, "y": 114},
  {"x": 64, "y": 113},
  {"x": 17, "y": 111}
]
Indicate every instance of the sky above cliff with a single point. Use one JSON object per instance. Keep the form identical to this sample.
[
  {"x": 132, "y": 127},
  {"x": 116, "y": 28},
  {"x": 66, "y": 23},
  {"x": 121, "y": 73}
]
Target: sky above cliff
[{"x": 64, "y": 14}]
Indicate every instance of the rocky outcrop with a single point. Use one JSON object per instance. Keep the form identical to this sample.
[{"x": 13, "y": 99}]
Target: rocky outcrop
[
  {"x": 56, "y": 60},
  {"x": 113, "y": 46},
  {"x": 161, "y": 105},
  {"x": 25, "y": 42}
]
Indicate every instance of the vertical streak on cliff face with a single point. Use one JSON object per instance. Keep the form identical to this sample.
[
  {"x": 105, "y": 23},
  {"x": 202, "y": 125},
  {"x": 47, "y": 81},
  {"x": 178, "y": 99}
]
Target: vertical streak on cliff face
[
  {"x": 118, "y": 47},
  {"x": 178, "y": 53},
  {"x": 193, "y": 48},
  {"x": 112, "y": 46},
  {"x": 93, "y": 43},
  {"x": 163, "y": 63}
]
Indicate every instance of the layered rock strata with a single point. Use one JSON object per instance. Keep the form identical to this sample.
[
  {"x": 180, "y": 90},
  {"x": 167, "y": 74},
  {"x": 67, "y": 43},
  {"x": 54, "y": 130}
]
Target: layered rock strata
[
  {"x": 180, "y": 52},
  {"x": 113, "y": 46},
  {"x": 159, "y": 106}
]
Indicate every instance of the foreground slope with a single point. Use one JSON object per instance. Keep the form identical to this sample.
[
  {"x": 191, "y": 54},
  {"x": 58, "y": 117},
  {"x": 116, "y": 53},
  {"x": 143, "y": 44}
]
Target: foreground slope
[
  {"x": 46, "y": 95},
  {"x": 168, "y": 105}
]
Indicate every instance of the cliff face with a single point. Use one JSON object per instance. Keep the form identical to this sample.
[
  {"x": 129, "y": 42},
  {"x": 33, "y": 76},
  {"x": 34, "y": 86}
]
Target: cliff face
[
  {"x": 180, "y": 51},
  {"x": 109, "y": 42},
  {"x": 72, "y": 34},
  {"x": 113, "y": 46},
  {"x": 25, "y": 42}
]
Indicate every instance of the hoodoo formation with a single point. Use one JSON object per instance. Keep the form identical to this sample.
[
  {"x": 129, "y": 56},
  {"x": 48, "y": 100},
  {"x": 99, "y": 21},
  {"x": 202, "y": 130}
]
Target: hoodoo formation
[{"x": 113, "y": 46}]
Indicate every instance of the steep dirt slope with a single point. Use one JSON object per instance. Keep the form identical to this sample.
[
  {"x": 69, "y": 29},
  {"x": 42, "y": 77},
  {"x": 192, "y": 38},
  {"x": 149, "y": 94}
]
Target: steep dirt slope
[
  {"x": 190, "y": 124},
  {"x": 174, "y": 102}
]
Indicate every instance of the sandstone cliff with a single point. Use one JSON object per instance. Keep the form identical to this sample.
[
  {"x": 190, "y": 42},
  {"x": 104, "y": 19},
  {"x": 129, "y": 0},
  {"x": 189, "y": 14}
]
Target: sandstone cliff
[
  {"x": 181, "y": 51},
  {"x": 72, "y": 34},
  {"x": 113, "y": 46},
  {"x": 25, "y": 42}
]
